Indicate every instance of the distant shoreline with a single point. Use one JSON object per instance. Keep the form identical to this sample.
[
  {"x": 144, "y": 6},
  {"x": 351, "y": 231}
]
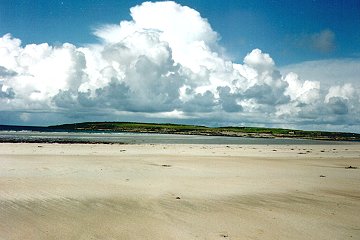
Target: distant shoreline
[
  {"x": 179, "y": 129},
  {"x": 122, "y": 138}
]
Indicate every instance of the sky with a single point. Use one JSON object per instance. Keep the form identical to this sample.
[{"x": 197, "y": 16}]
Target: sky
[{"x": 291, "y": 64}]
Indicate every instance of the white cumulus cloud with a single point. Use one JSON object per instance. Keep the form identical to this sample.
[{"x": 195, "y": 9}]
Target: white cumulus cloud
[{"x": 164, "y": 63}]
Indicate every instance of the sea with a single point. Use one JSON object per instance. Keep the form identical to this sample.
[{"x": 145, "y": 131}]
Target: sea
[{"x": 45, "y": 135}]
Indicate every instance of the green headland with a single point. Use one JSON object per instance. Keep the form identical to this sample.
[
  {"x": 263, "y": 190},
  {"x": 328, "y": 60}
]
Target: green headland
[{"x": 166, "y": 128}]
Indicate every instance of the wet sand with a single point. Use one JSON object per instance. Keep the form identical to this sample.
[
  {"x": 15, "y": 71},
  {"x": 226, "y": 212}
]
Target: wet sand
[{"x": 61, "y": 191}]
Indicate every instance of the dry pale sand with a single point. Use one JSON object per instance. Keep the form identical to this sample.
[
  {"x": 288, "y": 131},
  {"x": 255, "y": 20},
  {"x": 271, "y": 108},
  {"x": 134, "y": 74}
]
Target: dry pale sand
[{"x": 52, "y": 191}]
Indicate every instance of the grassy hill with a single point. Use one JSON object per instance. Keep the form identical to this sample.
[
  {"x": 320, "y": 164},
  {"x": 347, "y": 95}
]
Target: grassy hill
[{"x": 166, "y": 128}]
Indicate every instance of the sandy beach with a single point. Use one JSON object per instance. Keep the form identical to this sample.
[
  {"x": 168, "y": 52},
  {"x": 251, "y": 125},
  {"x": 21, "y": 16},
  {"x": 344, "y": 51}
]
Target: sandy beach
[{"x": 75, "y": 191}]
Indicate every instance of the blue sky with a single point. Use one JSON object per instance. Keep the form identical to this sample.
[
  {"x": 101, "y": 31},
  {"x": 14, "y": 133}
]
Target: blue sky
[
  {"x": 290, "y": 64},
  {"x": 279, "y": 27}
]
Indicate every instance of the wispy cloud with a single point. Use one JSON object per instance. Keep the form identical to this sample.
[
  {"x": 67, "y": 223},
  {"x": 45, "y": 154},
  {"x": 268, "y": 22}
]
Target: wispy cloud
[{"x": 322, "y": 42}]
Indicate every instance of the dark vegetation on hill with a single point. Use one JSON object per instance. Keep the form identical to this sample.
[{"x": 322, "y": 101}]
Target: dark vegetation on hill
[{"x": 166, "y": 128}]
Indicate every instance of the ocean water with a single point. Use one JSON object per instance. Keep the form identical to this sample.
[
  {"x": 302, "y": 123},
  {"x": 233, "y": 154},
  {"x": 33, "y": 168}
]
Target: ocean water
[{"x": 142, "y": 138}]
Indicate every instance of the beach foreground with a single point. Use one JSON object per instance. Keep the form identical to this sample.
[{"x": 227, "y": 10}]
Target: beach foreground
[{"x": 61, "y": 191}]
